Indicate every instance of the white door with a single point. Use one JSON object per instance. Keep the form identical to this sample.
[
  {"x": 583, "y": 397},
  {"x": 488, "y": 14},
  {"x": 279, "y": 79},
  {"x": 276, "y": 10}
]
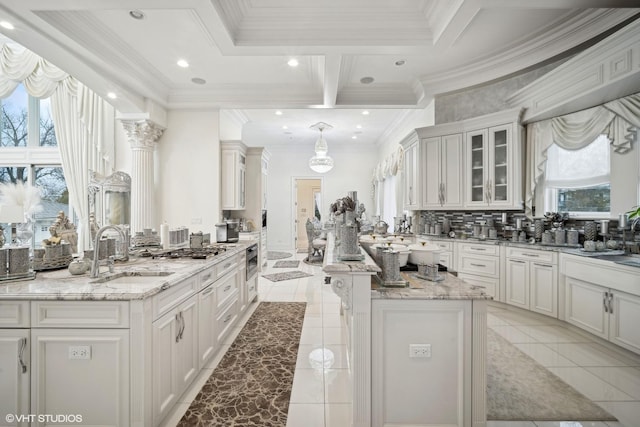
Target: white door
[
  {"x": 187, "y": 361},
  {"x": 517, "y": 283},
  {"x": 585, "y": 307},
  {"x": 625, "y": 318},
  {"x": 544, "y": 289},
  {"x": 15, "y": 370},
  {"x": 164, "y": 390}
]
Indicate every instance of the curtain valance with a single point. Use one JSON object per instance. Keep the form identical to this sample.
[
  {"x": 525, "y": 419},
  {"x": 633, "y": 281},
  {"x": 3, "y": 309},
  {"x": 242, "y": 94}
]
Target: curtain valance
[
  {"x": 619, "y": 120},
  {"x": 20, "y": 65}
]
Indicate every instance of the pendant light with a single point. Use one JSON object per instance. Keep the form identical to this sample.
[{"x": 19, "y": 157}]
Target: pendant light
[{"x": 321, "y": 163}]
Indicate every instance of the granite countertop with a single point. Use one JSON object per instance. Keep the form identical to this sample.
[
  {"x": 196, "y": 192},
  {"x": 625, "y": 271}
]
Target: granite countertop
[
  {"x": 61, "y": 285},
  {"x": 451, "y": 288}
]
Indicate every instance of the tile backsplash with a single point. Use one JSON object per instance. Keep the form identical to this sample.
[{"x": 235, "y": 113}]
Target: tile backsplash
[{"x": 462, "y": 222}]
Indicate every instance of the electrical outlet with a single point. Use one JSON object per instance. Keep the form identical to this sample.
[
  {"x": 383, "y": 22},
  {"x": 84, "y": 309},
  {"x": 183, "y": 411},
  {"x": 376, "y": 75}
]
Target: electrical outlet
[
  {"x": 419, "y": 350},
  {"x": 80, "y": 352}
]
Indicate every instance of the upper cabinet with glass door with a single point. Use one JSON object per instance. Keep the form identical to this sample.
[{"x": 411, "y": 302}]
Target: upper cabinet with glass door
[{"x": 494, "y": 166}]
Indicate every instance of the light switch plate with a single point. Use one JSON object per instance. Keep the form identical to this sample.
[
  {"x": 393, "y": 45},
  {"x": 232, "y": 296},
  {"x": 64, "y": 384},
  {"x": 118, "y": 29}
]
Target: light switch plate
[{"x": 80, "y": 352}]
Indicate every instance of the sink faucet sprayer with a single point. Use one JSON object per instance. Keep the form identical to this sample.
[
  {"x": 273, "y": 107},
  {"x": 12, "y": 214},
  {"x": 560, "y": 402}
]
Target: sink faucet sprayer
[{"x": 95, "y": 264}]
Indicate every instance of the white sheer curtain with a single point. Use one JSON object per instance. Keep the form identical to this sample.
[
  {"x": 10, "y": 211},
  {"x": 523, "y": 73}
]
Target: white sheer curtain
[
  {"x": 83, "y": 122},
  {"x": 619, "y": 120},
  {"x": 387, "y": 181}
]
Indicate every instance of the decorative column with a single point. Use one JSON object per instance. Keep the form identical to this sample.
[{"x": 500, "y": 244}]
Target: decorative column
[{"x": 142, "y": 135}]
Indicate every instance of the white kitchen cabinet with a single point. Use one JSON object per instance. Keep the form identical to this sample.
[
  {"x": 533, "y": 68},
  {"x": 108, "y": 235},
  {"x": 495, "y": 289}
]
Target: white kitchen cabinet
[
  {"x": 491, "y": 167},
  {"x": 479, "y": 264},
  {"x": 175, "y": 355},
  {"x": 494, "y": 162},
  {"x": 411, "y": 174},
  {"x": 264, "y": 162},
  {"x": 15, "y": 370},
  {"x": 442, "y": 172},
  {"x": 233, "y": 167},
  {"x": 81, "y": 372},
  {"x": 531, "y": 280},
  {"x": 207, "y": 343},
  {"x": 602, "y": 298}
]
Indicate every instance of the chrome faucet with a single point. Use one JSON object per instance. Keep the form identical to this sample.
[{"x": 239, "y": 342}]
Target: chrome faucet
[{"x": 95, "y": 264}]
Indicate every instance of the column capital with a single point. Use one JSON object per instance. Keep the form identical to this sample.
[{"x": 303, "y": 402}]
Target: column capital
[{"x": 142, "y": 134}]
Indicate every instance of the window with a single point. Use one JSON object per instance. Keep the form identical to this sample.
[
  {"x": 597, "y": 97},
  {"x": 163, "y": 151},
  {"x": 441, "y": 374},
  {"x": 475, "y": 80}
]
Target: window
[
  {"x": 26, "y": 128},
  {"x": 578, "y": 181}
]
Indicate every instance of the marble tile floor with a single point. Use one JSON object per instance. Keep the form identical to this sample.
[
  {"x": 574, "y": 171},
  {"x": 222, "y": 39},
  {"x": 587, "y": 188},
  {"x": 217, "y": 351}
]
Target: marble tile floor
[{"x": 321, "y": 389}]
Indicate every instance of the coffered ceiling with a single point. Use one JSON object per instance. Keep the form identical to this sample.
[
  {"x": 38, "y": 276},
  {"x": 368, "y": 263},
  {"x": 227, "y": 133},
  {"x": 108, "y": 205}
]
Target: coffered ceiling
[{"x": 386, "y": 56}]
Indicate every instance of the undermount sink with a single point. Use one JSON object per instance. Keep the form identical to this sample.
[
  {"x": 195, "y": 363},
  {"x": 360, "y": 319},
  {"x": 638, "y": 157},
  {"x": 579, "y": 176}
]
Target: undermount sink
[
  {"x": 132, "y": 277},
  {"x": 630, "y": 260}
]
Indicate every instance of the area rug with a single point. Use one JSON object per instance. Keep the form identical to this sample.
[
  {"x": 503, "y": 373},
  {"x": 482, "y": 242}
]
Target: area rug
[
  {"x": 252, "y": 384},
  {"x": 287, "y": 275},
  {"x": 271, "y": 255},
  {"x": 286, "y": 264},
  {"x": 519, "y": 389}
]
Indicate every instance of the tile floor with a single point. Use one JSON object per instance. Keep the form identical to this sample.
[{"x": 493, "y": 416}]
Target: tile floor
[{"x": 321, "y": 386}]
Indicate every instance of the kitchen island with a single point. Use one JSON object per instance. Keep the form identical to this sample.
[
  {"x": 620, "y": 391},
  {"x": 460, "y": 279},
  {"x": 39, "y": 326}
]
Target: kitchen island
[
  {"x": 121, "y": 349},
  {"x": 418, "y": 354}
]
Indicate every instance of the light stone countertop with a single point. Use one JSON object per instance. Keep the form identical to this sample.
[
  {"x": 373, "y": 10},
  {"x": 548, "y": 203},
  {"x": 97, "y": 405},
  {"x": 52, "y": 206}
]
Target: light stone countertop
[
  {"x": 61, "y": 285},
  {"x": 451, "y": 288}
]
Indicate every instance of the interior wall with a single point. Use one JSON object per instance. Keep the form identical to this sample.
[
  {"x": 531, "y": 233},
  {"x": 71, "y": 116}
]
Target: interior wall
[
  {"x": 351, "y": 172},
  {"x": 187, "y": 182},
  {"x": 305, "y": 207}
]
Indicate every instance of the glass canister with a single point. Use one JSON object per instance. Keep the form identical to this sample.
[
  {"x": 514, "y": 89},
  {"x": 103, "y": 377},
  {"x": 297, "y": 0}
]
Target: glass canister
[
  {"x": 19, "y": 260},
  {"x": 547, "y": 238},
  {"x": 573, "y": 236}
]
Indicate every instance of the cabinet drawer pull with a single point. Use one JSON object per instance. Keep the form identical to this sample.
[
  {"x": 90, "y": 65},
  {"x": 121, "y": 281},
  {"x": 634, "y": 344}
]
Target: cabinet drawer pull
[
  {"x": 226, "y": 319},
  {"x": 543, "y": 265},
  {"x": 226, "y": 288},
  {"x": 478, "y": 265},
  {"x": 517, "y": 261},
  {"x": 227, "y": 265},
  {"x": 23, "y": 345},
  {"x": 208, "y": 291},
  {"x": 477, "y": 249},
  {"x": 207, "y": 277},
  {"x": 531, "y": 255}
]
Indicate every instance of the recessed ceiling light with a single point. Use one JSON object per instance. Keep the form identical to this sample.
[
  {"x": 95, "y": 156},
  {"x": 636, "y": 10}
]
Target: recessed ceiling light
[
  {"x": 366, "y": 80},
  {"x": 293, "y": 62},
  {"x": 285, "y": 127},
  {"x": 365, "y": 113},
  {"x": 136, "y": 14},
  {"x": 112, "y": 95},
  {"x": 354, "y": 137},
  {"x": 7, "y": 25},
  {"x": 358, "y": 126},
  {"x": 400, "y": 62},
  {"x": 182, "y": 63},
  {"x": 198, "y": 81},
  {"x": 278, "y": 113}
]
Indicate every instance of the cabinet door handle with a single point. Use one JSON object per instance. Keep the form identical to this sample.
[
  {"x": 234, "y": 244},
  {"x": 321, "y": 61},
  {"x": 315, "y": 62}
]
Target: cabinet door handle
[
  {"x": 410, "y": 194},
  {"x": 478, "y": 265},
  {"x": 531, "y": 255},
  {"x": 183, "y": 325},
  {"x": 611, "y": 302},
  {"x": 226, "y": 319},
  {"x": 543, "y": 265},
  {"x": 227, "y": 265},
  {"x": 179, "y": 327},
  {"x": 206, "y": 278},
  {"x": 226, "y": 288},
  {"x": 604, "y": 302},
  {"x": 517, "y": 260},
  {"x": 23, "y": 346}
]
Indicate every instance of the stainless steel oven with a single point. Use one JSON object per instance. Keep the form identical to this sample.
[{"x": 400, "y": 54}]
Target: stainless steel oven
[{"x": 252, "y": 260}]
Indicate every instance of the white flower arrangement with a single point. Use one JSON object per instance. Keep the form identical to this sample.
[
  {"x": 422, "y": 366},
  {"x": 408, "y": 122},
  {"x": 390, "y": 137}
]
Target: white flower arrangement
[{"x": 23, "y": 195}]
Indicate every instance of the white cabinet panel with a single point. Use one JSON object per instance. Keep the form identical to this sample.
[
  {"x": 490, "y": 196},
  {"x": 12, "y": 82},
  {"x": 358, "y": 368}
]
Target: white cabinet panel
[
  {"x": 15, "y": 370},
  {"x": 584, "y": 306},
  {"x": 543, "y": 295},
  {"x": 95, "y": 387},
  {"x": 233, "y": 160},
  {"x": 517, "y": 281},
  {"x": 625, "y": 320}
]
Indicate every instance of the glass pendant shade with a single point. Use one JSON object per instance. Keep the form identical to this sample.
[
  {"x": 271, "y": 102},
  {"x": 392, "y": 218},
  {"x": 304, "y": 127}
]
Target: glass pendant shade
[{"x": 321, "y": 163}]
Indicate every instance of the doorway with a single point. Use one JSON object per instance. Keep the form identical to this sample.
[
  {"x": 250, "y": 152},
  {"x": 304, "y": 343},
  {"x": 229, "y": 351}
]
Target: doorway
[{"x": 307, "y": 204}]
